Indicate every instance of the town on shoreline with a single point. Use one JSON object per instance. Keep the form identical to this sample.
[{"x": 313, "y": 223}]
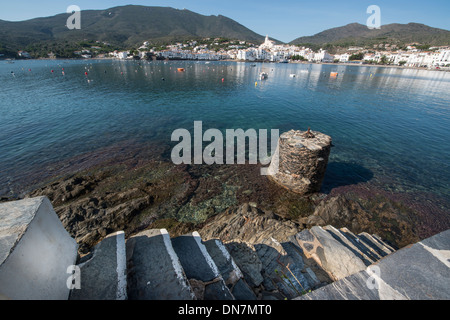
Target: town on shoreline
[{"x": 220, "y": 49}]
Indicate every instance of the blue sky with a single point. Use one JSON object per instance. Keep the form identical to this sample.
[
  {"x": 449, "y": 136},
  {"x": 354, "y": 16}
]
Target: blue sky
[{"x": 282, "y": 20}]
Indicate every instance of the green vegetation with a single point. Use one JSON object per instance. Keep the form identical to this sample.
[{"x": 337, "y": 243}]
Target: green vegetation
[
  {"x": 356, "y": 56},
  {"x": 298, "y": 57},
  {"x": 384, "y": 60},
  {"x": 121, "y": 27},
  {"x": 356, "y": 34}
]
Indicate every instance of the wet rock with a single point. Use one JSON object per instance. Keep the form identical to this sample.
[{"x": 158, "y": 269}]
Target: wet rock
[
  {"x": 247, "y": 223},
  {"x": 375, "y": 215},
  {"x": 67, "y": 189}
]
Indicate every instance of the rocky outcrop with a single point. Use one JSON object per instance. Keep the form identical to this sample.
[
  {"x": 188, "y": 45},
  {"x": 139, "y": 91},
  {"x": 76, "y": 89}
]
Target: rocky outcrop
[
  {"x": 338, "y": 260},
  {"x": 248, "y": 223},
  {"x": 301, "y": 161},
  {"x": 378, "y": 215}
]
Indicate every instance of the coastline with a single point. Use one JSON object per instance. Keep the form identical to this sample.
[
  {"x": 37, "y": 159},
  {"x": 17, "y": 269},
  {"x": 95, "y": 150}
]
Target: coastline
[
  {"x": 82, "y": 187},
  {"x": 243, "y": 61},
  {"x": 140, "y": 189}
]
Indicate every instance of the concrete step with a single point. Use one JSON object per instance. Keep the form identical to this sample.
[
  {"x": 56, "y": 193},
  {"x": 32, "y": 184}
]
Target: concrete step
[
  {"x": 35, "y": 251},
  {"x": 154, "y": 269},
  {"x": 201, "y": 270},
  {"x": 374, "y": 244},
  {"x": 333, "y": 257},
  {"x": 102, "y": 274},
  {"x": 230, "y": 272},
  {"x": 340, "y": 236},
  {"x": 363, "y": 247}
]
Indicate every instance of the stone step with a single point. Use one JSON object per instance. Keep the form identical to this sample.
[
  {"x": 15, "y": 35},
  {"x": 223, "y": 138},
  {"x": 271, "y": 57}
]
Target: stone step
[
  {"x": 247, "y": 260},
  {"x": 295, "y": 253},
  {"x": 353, "y": 287},
  {"x": 417, "y": 272},
  {"x": 281, "y": 271},
  {"x": 374, "y": 243},
  {"x": 368, "y": 250},
  {"x": 384, "y": 243},
  {"x": 333, "y": 257},
  {"x": 102, "y": 274},
  {"x": 154, "y": 269},
  {"x": 230, "y": 272},
  {"x": 201, "y": 270},
  {"x": 339, "y": 236}
]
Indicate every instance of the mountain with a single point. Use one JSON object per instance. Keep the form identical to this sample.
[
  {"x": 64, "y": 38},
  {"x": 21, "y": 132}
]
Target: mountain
[
  {"x": 358, "y": 34},
  {"x": 124, "y": 26}
]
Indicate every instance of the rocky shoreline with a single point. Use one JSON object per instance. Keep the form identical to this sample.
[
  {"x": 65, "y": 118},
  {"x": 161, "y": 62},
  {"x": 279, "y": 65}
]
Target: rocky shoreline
[{"x": 135, "y": 195}]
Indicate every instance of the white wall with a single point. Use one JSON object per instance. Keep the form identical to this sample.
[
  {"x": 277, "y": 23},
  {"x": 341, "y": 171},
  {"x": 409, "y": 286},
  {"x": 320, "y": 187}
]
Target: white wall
[{"x": 36, "y": 268}]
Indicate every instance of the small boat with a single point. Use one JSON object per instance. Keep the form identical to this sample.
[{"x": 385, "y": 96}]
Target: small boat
[
  {"x": 292, "y": 75},
  {"x": 180, "y": 69},
  {"x": 263, "y": 75},
  {"x": 333, "y": 74}
]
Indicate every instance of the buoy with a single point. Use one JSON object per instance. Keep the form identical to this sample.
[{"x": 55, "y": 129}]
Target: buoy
[
  {"x": 86, "y": 73},
  {"x": 223, "y": 79},
  {"x": 52, "y": 71},
  {"x": 256, "y": 83}
]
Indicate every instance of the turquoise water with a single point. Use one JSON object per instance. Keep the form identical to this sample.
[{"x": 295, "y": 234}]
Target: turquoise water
[{"x": 390, "y": 127}]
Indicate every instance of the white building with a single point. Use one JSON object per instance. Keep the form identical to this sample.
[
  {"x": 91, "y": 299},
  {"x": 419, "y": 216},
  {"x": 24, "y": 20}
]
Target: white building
[
  {"x": 24, "y": 54},
  {"x": 323, "y": 56},
  {"x": 345, "y": 57},
  {"x": 443, "y": 59},
  {"x": 122, "y": 55}
]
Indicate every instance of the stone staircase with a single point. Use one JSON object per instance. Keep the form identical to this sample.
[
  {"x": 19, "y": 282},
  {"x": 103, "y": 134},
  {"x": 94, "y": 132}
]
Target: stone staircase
[
  {"x": 38, "y": 260},
  {"x": 152, "y": 266}
]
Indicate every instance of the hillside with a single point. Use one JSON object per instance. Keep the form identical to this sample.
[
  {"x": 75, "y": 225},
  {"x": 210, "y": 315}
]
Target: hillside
[
  {"x": 358, "y": 34},
  {"x": 123, "y": 27}
]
